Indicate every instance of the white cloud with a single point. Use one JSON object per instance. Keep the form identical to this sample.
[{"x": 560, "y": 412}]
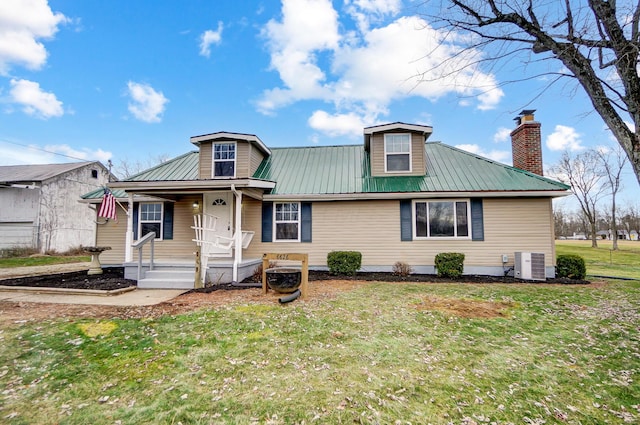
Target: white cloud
[
  {"x": 564, "y": 138},
  {"x": 22, "y": 25},
  {"x": 366, "y": 12},
  {"x": 503, "y": 134},
  {"x": 210, "y": 37},
  {"x": 146, "y": 104},
  {"x": 11, "y": 154},
  {"x": 307, "y": 27},
  {"x": 350, "y": 124},
  {"x": 34, "y": 100},
  {"x": 364, "y": 72},
  {"x": 496, "y": 155}
]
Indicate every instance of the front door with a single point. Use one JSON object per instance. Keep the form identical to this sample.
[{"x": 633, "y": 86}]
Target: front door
[{"x": 220, "y": 205}]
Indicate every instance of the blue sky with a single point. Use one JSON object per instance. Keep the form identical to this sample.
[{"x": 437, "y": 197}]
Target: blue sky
[{"x": 125, "y": 80}]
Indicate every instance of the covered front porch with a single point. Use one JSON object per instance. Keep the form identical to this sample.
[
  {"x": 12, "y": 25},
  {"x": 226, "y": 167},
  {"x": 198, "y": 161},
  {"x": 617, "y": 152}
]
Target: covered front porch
[
  {"x": 207, "y": 235},
  {"x": 181, "y": 273}
]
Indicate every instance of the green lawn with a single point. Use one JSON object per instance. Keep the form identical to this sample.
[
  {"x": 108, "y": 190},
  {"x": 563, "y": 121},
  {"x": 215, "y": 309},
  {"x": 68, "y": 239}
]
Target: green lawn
[
  {"x": 40, "y": 261},
  {"x": 378, "y": 354},
  {"x": 602, "y": 260}
]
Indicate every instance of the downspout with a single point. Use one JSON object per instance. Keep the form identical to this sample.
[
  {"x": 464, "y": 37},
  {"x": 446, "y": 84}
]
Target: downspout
[
  {"x": 237, "y": 258},
  {"x": 128, "y": 249}
]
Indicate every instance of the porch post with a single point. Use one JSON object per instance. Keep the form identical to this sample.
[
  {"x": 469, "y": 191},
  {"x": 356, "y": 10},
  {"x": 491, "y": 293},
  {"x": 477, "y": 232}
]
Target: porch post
[
  {"x": 128, "y": 249},
  {"x": 237, "y": 257}
]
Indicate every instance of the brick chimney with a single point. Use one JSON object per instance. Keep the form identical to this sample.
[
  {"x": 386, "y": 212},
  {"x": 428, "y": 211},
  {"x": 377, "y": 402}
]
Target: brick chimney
[{"x": 526, "y": 143}]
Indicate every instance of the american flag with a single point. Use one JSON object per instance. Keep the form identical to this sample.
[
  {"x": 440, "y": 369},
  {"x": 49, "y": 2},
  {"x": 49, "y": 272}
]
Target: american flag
[{"x": 108, "y": 206}]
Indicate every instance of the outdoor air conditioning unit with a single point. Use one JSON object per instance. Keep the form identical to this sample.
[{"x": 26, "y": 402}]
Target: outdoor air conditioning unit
[{"x": 529, "y": 266}]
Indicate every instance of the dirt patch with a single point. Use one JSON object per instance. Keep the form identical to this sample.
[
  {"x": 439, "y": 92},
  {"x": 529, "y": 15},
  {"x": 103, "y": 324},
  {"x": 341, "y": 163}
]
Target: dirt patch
[
  {"x": 20, "y": 312},
  {"x": 471, "y": 309}
]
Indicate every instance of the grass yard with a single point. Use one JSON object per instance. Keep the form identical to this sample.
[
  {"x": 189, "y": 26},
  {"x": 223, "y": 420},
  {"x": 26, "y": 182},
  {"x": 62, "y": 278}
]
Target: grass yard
[
  {"x": 382, "y": 353},
  {"x": 47, "y": 260},
  {"x": 602, "y": 260}
]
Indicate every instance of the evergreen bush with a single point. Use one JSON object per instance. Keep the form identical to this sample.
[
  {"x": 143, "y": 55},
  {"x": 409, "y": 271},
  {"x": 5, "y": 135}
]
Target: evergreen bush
[
  {"x": 449, "y": 264},
  {"x": 571, "y": 266},
  {"x": 344, "y": 262}
]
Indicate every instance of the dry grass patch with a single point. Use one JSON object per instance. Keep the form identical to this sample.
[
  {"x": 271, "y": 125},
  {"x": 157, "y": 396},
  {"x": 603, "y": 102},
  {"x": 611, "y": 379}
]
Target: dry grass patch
[{"x": 470, "y": 309}]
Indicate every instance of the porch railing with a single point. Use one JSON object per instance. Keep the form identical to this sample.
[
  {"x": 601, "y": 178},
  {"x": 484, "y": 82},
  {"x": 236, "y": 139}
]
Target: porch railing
[{"x": 149, "y": 237}]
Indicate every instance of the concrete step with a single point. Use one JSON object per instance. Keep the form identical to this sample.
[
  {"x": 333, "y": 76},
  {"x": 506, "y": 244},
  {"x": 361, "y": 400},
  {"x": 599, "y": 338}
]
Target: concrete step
[
  {"x": 170, "y": 273},
  {"x": 168, "y": 279}
]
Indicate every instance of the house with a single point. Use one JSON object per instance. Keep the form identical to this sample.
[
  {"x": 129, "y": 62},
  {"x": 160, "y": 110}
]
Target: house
[
  {"x": 39, "y": 205},
  {"x": 395, "y": 197}
]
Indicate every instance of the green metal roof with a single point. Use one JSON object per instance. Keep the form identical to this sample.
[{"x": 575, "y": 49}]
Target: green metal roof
[
  {"x": 345, "y": 170},
  {"x": 184, "y": 167}
]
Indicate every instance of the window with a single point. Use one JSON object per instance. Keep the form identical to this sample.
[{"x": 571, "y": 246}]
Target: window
[
  {"x": 150, "y": 219},
  {"x": 397, "y": 152},
  {"x": 441, "y": 219},
  {"x": 94, "y": 174},
  {"x": 287, "y": 221},
  {"x": 224, "y": 160}
]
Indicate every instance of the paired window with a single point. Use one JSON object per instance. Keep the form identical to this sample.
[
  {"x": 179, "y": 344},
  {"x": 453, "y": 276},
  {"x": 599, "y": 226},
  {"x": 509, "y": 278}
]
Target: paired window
[
  {"x": 150, "y": 219},
  {"x": 224, "y": 159},
  {"x": 441, "y": 219},
  {"x": 287, "y": 221},
  {"x": 397, "y": 152}
]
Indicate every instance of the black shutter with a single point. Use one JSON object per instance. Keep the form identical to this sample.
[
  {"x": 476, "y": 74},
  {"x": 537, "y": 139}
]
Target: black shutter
[
  {"x": 477, "y": 220},
  {"x": 167, "y": 221},
  {"x": 267, "y": 221},
  {"x": 305, "y": 231},
  {"x": 136, "y": 207},
  {"x": 406, "y": 230}
]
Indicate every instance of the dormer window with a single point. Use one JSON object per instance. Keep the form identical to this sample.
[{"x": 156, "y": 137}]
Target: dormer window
[
  {"x": 224, "y": 159},
  {"x": 397, "y": 152}
]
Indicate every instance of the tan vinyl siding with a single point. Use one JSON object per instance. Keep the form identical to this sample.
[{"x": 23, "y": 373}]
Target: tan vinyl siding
[
  {"x": 373, "y": 228},
  {"x": 245, "y": 161},
  {"x": 418, "y": 159},
  {"x": 242, "y": 160},
  {"x": 180, "y": 247},
  {"x": 256, "y": 157},
  {"x": 206, "y": 161}
]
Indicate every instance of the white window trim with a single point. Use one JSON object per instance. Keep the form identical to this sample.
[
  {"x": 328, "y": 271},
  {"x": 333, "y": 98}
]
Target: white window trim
[
  {"x": 398, "y": 153},
  {"x": 213, "y": 160},
  {"x": 455, "y": 227},
  {"x": 275, "y": 222},
  {"x": 158, "y": 237}
]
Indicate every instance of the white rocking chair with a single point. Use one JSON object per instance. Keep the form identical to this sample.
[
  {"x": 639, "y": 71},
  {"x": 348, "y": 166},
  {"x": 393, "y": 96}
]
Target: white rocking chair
[{"x": 212, "y": 244}]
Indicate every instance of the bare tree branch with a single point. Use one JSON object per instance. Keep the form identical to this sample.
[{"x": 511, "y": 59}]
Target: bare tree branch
[{"x": 586, "y": 44}]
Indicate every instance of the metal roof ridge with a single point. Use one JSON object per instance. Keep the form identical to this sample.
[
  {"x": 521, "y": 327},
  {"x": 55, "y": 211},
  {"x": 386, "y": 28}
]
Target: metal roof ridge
[
  {"x": 510, "y": 167},
  {"x": 162, "y": 164},
  {"x": 318, "y": 147}
]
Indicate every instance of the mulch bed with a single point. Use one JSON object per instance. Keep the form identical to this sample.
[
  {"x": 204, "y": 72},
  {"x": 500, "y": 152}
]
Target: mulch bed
[{"x": 113, "y": 278}]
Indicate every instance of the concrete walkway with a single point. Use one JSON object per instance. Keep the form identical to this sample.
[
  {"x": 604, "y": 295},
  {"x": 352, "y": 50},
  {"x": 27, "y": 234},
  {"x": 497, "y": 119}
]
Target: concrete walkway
[{"x": 136, "y": 297}]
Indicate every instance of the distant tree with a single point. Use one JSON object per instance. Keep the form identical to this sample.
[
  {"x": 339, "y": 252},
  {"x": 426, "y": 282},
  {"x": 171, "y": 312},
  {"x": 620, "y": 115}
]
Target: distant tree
[
  {"x": 561, "y": 221},
  {"x": 597, "y": 42},
  {"x": 126, "y": 168},
  {"x": 613, "y": 162},
  {"x": 586, "y": 178},
  {"x": 631, "y": 218}
]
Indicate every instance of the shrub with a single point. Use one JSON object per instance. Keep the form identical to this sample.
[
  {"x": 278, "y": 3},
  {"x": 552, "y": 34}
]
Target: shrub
[
  {"x": 571, "y": 266},
  {"x": 344, "y": 262},
  {"x": 449, "y": 264},
  {"x": 17, "y": 252},
  {"x": 401, "y": 268}
]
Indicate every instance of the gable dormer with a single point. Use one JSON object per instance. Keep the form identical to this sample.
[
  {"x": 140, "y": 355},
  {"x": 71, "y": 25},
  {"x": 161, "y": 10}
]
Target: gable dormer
[
  {"x": 397, "y": 149},
  {"x": 226, "y": 155}
]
